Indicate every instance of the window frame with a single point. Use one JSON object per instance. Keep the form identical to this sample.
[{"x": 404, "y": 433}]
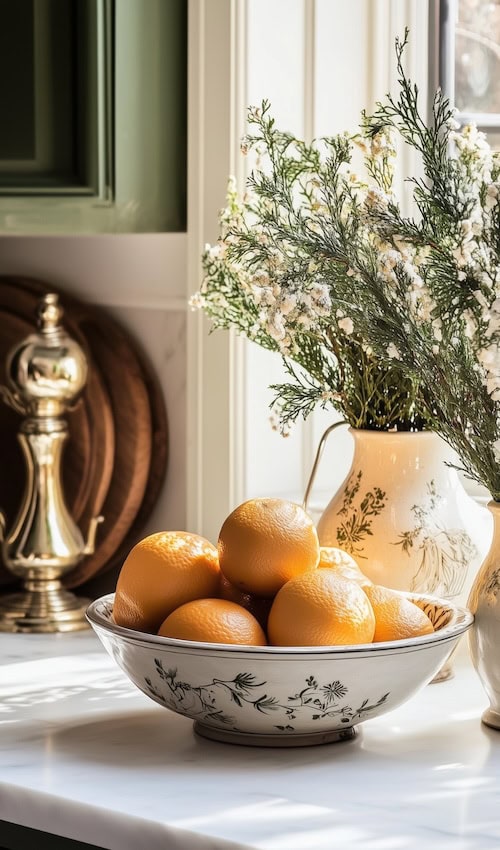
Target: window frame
[{"x": 443, "y": 19}]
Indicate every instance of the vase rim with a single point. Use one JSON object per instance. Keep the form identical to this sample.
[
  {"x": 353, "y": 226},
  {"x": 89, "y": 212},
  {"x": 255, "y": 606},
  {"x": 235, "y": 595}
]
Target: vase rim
[{"x": 377, "y": 433}]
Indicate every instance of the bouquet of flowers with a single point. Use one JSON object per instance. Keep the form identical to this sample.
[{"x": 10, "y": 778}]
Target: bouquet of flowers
[
  {"x": 266, "y": 278},
  {"x": 394, "y": 320},
  {"x": 428, "y": 295}
]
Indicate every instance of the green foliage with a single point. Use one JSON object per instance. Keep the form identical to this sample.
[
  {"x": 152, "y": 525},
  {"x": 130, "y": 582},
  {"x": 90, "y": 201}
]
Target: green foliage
[
  {"x": 280, "y": 274},
  {"x": 393, "y": 320}
]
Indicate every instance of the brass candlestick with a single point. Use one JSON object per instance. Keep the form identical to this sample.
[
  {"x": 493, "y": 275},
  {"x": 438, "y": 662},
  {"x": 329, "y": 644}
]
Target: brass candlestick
[{"x": 46, "y": 374}]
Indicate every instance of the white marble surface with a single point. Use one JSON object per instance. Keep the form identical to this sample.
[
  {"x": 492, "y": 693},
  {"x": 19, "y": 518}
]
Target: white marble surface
[{"x": 84, "y": 755}]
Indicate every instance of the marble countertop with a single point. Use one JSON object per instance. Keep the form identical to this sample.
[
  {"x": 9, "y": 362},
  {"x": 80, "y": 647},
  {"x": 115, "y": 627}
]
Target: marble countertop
[{"x": 86, "y": 756}]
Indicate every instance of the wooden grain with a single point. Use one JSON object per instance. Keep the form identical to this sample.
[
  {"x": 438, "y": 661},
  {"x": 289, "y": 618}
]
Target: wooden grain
[
  {"x": 132, "y": 418},
  {"x": 157, "y": 467}
]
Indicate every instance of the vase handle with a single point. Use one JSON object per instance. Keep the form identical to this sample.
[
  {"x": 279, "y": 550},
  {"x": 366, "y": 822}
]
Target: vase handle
[{"x": 317, "y": 459}]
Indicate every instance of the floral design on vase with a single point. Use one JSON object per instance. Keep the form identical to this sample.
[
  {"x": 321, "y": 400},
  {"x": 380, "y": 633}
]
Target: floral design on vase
[
  {"x": 445, "y": 553},
  {"x": 321, "y": 701},
  {"x": 356, "y": 522},
  {"x": 492, "y": 586}
]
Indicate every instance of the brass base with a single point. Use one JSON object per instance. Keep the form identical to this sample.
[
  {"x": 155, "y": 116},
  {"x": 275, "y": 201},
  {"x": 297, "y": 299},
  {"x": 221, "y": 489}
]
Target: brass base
[{"x": 43, "y": 607}]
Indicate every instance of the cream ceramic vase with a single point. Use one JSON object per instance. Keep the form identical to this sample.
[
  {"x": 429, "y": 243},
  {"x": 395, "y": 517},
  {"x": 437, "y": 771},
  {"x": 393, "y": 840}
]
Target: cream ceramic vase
[
  {"x": 484, "y": 641},
  {"x": 404, "y": 515}
]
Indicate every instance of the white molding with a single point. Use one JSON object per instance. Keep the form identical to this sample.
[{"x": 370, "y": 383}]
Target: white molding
[
  {"x": 308, "y": 434},
  {"x": 215, "y": 364},
  {"x": 309, "y": 69}
]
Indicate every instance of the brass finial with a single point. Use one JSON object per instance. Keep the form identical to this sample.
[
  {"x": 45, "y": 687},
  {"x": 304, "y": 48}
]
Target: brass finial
[{"x": 49, "y": 313}]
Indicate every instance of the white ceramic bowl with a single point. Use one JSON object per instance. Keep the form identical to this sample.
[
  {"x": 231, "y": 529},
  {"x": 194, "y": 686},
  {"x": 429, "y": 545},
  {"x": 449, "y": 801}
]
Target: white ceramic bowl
[{"x": 281, "y": 696}]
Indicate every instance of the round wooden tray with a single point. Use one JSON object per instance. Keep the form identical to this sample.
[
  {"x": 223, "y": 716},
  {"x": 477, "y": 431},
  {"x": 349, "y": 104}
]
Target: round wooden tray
[{"x": 117, "y": 431}]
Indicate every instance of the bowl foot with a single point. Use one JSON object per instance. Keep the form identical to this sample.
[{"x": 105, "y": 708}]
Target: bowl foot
[
  {"x": 491, "y": 718},
  {"x": 248, "y": 739}
]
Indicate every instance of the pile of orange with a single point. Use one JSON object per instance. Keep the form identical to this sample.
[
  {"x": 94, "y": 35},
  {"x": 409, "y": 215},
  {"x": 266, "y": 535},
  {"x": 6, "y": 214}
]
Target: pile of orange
[{"x": 268, "y": 581}]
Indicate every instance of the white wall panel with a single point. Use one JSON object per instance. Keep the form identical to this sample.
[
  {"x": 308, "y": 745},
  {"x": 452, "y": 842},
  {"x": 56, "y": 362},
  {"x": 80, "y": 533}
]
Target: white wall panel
[
  {"x": 145, "y": 270},
  {"x": 275, "y": 71},
  {"x": 343, "y": 59},
  {"x": 162, "y": 334},
  {"x": 275, "y": 59}
]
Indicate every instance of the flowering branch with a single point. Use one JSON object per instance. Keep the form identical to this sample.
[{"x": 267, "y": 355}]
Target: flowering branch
[{"x": 283, "y": 271}]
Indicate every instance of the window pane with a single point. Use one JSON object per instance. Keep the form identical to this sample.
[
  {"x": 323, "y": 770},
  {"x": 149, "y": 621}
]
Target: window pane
[
  {"x": 477, "y": 56},
  {"x": 493, "y": 137}
]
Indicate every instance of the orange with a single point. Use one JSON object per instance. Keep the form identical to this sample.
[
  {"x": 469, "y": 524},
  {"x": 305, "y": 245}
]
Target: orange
[
  {"x": 214, "y": 621},
  {"x": 259, "y": 606},
  {"x": 343, "y": 563},
  {"x": 396, "y": 617},
  {"x": 320, "y": 609},
  {"x": 162, "y": 572},
  {"x": 265, "y": 542}
]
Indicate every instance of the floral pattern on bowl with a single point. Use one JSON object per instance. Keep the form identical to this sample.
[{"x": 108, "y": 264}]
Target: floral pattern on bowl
[{"x": 280, "y": 696}]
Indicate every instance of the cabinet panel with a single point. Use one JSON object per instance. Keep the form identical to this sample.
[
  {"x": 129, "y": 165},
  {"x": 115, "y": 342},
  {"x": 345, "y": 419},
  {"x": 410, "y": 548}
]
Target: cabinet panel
[{"x": 93, "y": 99}]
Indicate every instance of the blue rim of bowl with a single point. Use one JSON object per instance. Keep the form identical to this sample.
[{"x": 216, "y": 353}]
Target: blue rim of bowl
[{"x": 462, "y": 620}]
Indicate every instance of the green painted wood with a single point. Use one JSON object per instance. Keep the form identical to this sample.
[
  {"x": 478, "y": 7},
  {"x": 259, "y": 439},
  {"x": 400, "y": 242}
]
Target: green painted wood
[
  {"x": 38, "y": 95},
  {"x": 17, "y": 94},
  {"x": 151, "y": 112},
  {"x": 132, "y": 130}
]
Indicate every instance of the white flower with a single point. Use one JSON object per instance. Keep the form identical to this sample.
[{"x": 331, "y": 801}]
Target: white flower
[
  {"x": 492, "y": 315},
  {"x": 383, "y": 144},
  {"x": 215, "y": 252},
  {"x": 376, "y": 198},
  {"x": 320, "y": 293},
  {"x": 463, "y": 252},
  {"x": 489, "y": 357},
  {"x": 255, "y": 112},
  {"x": 491, "y": 197},
  {"x": 393, "y": 352},
  {"x": 288, "y": 303},
  {"x": 436, "y": 328},
  {"x": 390, "y": 259},
  {"x": 361, "y": 144},
  {"x": 481, "y": 299},
  {"x": 305, "y": 322},
  {"x": 346, "y": 325},
  {"x": 276, "y": 328},
  {"x": 470, "y": 324},
  {"x": 196, "y": 301}
]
